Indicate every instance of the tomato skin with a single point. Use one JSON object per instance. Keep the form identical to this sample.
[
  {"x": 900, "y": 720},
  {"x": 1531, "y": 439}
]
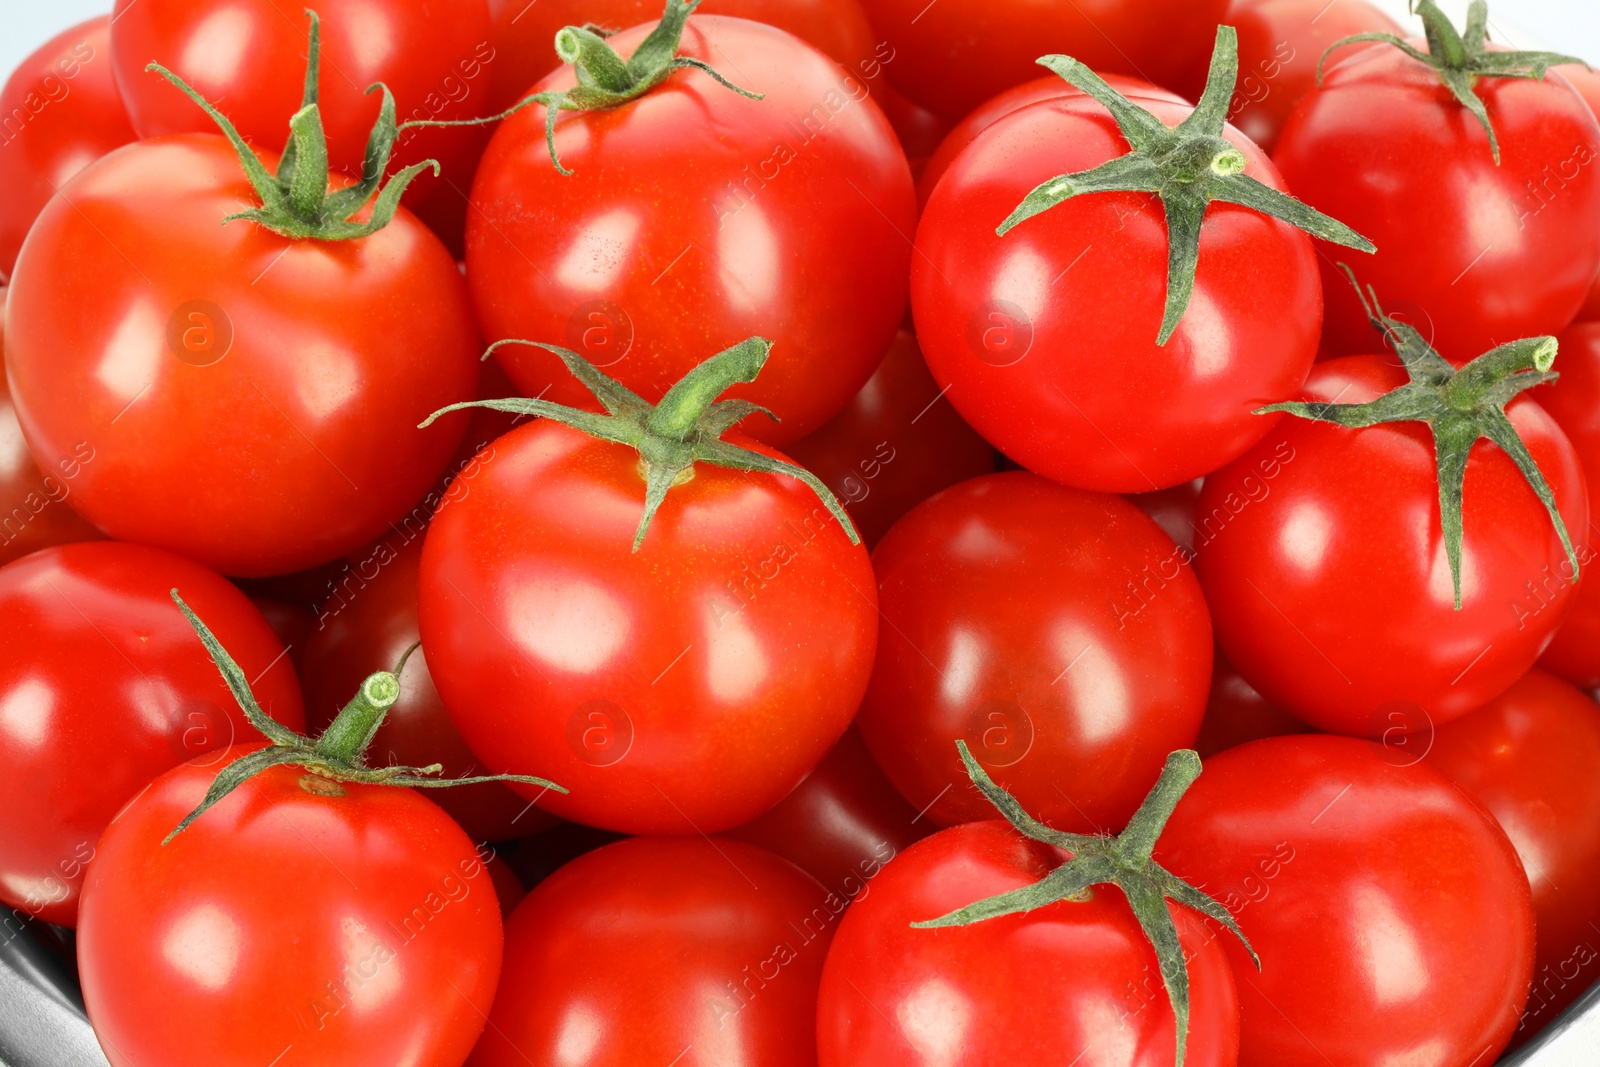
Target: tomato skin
[
  {"x": 300, "y": 442},
  {"x": 1046, "y": 337},
  {"x": 703, "y": 949},
  {"x": 694, "y": 219},
  {"x": 1325, "y": 569},
  {"x": 1236, "y": 714},
  {"x": 265, "y": 922},
  {"x": 1057, "y": 631},
  {"x": 1033, "y": 988},
  {"x": 690, "y": 685},
  {"x": 1529, "y": 757},
  {"x": 74, "y": 116},
  {"x": 106, "y": 686},
  {"x": 1468, "y": 251},
  {"x": 1587, "y": 82},
  {"x": 1390, "y": 912}
]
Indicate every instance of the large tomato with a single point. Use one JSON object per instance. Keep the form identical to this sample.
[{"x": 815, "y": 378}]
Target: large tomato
[
  {"x": 102, "y": 688},
  {"x": 1392, "y": 917}
]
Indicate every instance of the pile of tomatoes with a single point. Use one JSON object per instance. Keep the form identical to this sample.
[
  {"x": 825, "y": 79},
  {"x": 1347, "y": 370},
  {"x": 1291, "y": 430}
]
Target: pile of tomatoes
[{"x": 801, "y": 532}]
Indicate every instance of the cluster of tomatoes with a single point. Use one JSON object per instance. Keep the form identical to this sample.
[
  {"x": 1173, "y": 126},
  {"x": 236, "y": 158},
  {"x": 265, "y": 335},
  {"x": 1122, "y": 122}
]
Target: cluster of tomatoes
[{"x": 440, "y": 472}]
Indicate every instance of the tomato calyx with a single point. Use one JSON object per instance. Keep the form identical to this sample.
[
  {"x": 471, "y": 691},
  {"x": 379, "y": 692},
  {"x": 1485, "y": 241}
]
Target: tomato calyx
[
  {"x": 1186, "y": 167},
  {"x": 1123, "y": 861},
  {"x": 1459, "y": 406},
  {"x": 1461, "y": 58},
  {"x": 297, "y": 202},
  {"x": 334, "y": 758}
]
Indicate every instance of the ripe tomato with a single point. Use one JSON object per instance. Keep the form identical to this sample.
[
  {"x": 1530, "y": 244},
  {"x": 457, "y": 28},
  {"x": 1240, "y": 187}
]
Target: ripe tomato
[
  {"x": 62, "y": 112},
  {"x": 1236, "y": 713},
  {"x": 1173, "y": 510},
  {"x": 1057, "y": 631},
  {"x": 102, "y": 687},
  {"x": 1587, "y": 82},
  {"x": 356, "y": 927},
  {"x": 695, "y": 218},
  {"x": 686, "y": 951},
  {"x": 293, "y": 623},
  {"x": 1529, "y": 755},
  {"x": 1390, "y": 913},
  {"x": 251, "y": 400}
]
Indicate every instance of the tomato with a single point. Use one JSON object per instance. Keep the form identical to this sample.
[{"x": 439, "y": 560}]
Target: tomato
[
  {"x": 359, "y": 928},
  {"x": 62, "y": 112},
  {"x": 103, "y": 687},
  {"x": 1237, "y": 714},
  {"x": 1529, "y": 756},
  {"x": 251, "y": 400},
  {"x": 1057, "y": 631},
  {"x": 1173, "y": 510},
  {"x": 1324, "y": 565},
  {"x": 293, "y": 623},
  {"x": 695, "y": 218},
  {"x": 508, "y": 889},
  {"x": 1391, "y": 915},
  {"x": 1587, "y": 82},
  {"x": 685, "y": 951},
  {"x": 894, "y": 445}
]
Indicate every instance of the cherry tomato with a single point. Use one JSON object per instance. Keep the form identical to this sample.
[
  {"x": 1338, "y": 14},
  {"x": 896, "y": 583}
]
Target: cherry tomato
[
  {"x": 1390, "y": 913},
  {"x": 1236, "y": 713},
  {"x": 62, "y": 113},
  {"x": 686, "y": 951},
  {"x": 1057, "y": 631},
  {"x": 350, "y": 924},
  {"x": 251, "y": 400},
  {"x": 103, "y": 687}
]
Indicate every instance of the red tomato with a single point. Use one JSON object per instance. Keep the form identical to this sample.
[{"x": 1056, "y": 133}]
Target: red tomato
[
  {"x": 1391, "y": 915},
  {"x": 293, "y": 623},
  {"x": 1324, "y": 565},
  {"x": 62, "y": 112},
  {"x": 1057, "y": 631},
  {"x": 1587, "y": 82},
  {"x": 1236, "y": 713},
  {"x": 1173, "y": 510},
  {"x": 358, "y": 928},
  {"x": 508, "y": 889},
  {"x": 251, "y": 400},
  {"x": 102, "y": 687},
  {"x": 1529, "y": 756},
  {"x": 1034, "y": 988},
  {"x": 894, "y": 445},
  {"x": 685, "y": 951},
  {"x": 695, "y": 218}
]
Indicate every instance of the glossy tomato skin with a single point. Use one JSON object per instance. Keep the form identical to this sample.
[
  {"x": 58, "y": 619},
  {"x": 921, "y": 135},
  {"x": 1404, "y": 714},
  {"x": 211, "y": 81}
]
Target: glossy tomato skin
[
  {"x": 706, "y": 950},
  {"x": 687, "y": 686},
  {"x": 105, "y": 686},
  {"x": 252, "y": 401},
  {"x": 1325, "y": 569},
  {"x": 360, "y": 929},
  {"x": 1528, "y": 756},
  {"x": 1058, "y": 632},
  {"x": 62, "y": 113},
  {"x": 696, "y": 218},
  {"x": 1040, "y": 987},
  {"x": 1046, "y": 337},
  {"x": 1236, "y": 714},
  {"x": 1390, "y": 912},
  {"x": 1587, "y": 82},
  {"x": 1471, "y": 253}
]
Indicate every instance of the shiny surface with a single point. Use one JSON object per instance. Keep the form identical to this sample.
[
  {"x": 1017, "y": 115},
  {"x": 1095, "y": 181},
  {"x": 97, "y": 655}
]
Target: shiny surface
[
  {"x": 1047, "y": 336},
  {"x": 1056, "y": 631},
  {"x": 695, "y": 218},
  {"x": 1323, "y": 563},
  {"x": 1072, "y": 979},
  {"x": 103, "y": 686},
  {"x": 688, "y": 686},
  {"x": 300, "y": 441},
  {"x": 1587, "y": 82},
  {"x": 359, "y": 929},
  {"x": 1391, "y": 914}
]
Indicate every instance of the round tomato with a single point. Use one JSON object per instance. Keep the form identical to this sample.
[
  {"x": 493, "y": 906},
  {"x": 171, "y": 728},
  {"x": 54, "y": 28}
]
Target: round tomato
[
  {"x": 103, "y": 687},
  {"x": 686, "y": 951},
  {"x": 1237, "y": 714},
  {"x": 1390, "y": 913},
  {"x": 1587, "y": 82}
]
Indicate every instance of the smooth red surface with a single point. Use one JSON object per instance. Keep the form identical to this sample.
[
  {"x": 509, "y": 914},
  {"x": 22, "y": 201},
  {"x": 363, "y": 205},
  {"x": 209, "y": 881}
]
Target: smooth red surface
[
  {"x": 297, "y": 443},
  {"x": 103, "y": 686},
  {"x": 1391, "y": 915},
  {"x": 1325, "y": 569},
  {"x": 695, "y": 218},
  {"x": 1237, "y": 714},
  {"x": 696, "y": 952},
  {"x": 1047, "y": 336},
  {"x": 1056, "y": 631},
  {"x": 1587, "y": 82},
  {"x": 359, "y": 929},
  {"x": 1071, "y": 979}
]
